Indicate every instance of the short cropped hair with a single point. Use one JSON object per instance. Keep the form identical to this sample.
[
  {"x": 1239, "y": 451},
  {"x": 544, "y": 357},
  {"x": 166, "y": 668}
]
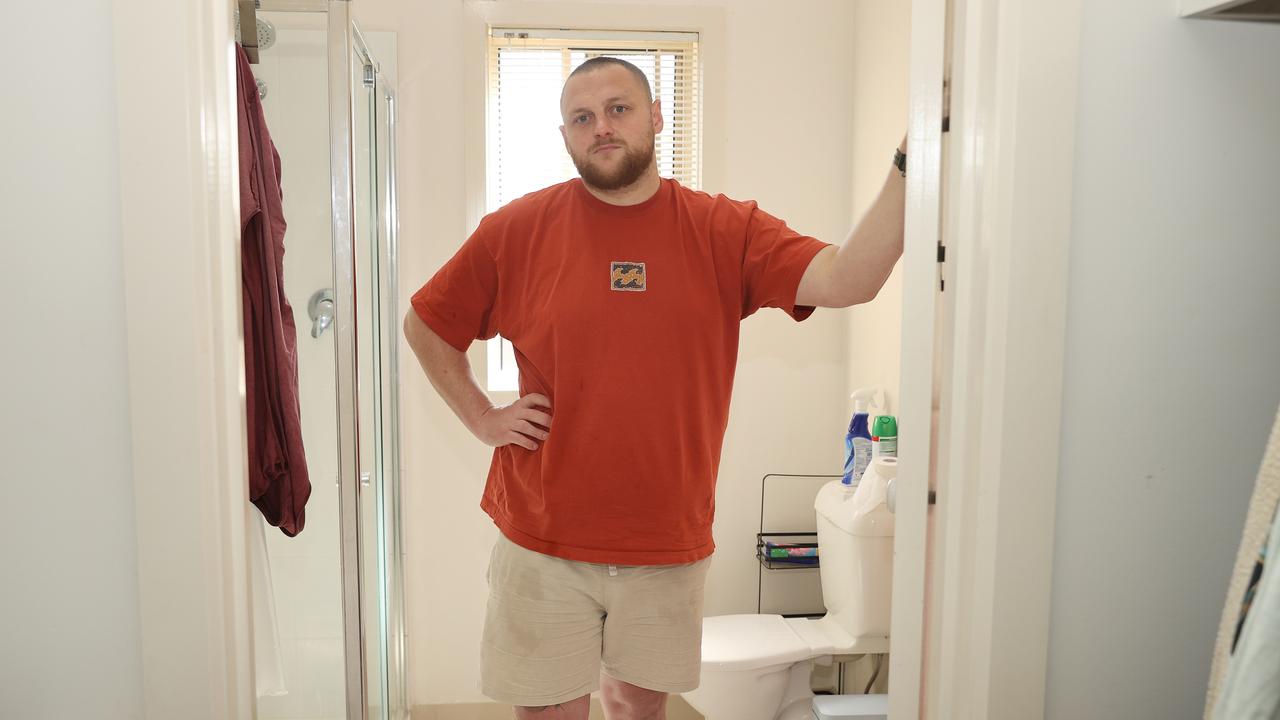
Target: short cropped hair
[{"x": 596, "y": 63}]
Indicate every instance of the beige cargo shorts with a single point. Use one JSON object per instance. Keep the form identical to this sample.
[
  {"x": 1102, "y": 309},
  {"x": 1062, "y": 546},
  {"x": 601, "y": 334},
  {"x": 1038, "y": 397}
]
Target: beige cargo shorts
[{"x": 553, "y": 625}]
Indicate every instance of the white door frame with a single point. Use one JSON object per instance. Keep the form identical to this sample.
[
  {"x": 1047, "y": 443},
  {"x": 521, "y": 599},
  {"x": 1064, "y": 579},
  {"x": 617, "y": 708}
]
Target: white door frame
[
  {"x": 1008, "y": 179},
  {"x": 919, "y": 287},
  {"x": 181, "y": 235}
]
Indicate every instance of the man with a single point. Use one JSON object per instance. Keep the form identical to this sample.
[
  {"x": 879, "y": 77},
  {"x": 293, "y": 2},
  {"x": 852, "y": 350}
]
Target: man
[{"x": 622, "y": 294}]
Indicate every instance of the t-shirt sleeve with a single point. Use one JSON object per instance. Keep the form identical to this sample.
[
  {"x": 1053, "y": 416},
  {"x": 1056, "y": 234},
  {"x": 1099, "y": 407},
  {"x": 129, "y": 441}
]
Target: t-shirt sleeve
[
  {"x": 458, "y": 301},
  {"x": 774, "y": 260}
]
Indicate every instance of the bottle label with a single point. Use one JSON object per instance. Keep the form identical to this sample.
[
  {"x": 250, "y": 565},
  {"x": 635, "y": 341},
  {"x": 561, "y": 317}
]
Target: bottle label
[
  {"x": 857, "y": 458},
  {"x": 889, "y": 447}
]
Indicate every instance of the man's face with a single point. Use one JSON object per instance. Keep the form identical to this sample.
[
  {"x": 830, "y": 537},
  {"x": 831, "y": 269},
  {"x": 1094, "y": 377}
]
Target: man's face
[{"x": 609, "y": 126}]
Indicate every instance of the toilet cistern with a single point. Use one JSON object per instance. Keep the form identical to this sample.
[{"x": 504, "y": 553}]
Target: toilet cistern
[{"x": 758, "y": 667}]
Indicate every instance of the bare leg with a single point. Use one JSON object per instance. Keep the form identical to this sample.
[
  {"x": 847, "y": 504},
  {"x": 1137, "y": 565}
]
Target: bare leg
[
  {"x": 573, "y": 710},
  {"x": 624, "y": 701}
]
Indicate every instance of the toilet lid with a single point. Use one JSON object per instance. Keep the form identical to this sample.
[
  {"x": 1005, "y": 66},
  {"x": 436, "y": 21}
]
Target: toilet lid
[{"x": 750, "y": 642}]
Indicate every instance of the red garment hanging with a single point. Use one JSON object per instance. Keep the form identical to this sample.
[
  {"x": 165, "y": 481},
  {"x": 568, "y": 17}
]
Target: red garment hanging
[{"x": 278, "y": 481}]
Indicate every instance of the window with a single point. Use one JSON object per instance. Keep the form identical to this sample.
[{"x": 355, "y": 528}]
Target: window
[{"x": 527, "y": 68}]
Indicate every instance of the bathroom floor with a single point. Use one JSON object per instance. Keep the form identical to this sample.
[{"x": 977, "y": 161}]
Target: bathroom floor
[{"x": 677, "y": 709}]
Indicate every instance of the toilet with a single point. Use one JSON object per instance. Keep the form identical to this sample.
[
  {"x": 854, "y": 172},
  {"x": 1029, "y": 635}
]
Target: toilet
[{"x": 757, "y": 667}]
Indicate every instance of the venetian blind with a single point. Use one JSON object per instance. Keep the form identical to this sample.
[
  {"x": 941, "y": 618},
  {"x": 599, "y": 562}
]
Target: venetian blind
[{"x": 527, "y": 68}]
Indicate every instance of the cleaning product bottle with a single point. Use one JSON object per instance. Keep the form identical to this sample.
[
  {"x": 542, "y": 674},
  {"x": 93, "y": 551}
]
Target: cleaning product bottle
[
  {"x": 884, "y": 437},
  {"x": 857, "y": 442}
]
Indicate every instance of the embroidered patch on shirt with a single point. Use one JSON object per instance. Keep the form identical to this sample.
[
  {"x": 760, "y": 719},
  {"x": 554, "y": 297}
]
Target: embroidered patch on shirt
[{"x": 627, "y": 276}]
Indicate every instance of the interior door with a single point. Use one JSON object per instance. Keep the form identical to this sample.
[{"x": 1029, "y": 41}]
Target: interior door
[{"x": 926, "y": 331}]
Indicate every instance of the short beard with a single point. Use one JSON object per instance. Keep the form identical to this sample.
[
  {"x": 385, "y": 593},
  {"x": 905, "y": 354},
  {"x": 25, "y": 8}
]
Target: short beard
[{"x": 634, "y": 164}]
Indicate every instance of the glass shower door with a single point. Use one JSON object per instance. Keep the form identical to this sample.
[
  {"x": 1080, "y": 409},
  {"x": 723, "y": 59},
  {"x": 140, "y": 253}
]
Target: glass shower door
[
  {"x": 381, "y": 552},
  {"x": 365, "y": 313},
  {"x": 298, "y": 616},
  {"x": 328, "y": 608}
]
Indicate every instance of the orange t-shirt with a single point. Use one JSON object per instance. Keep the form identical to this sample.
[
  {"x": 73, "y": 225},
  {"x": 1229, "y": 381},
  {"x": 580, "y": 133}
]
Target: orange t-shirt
[{"x": 626, "y": 318}]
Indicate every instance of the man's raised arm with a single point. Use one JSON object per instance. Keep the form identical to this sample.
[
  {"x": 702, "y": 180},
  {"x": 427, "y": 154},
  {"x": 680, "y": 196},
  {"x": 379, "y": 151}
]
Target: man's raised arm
[{"x": 854, "y": 272}]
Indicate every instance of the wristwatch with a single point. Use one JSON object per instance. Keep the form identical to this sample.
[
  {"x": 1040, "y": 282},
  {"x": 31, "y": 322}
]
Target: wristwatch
[{"x": 900, "y": 161}]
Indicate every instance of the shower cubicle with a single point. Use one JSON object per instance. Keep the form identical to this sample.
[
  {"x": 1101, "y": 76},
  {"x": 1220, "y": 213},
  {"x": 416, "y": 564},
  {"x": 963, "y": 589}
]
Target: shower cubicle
[{"x": 328, "y": 614}]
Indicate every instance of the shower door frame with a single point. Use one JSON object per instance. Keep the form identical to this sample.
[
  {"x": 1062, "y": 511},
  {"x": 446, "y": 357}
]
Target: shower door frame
[
  {"x": 342, "y": 180},
  {"x": 344, "y": 41}
]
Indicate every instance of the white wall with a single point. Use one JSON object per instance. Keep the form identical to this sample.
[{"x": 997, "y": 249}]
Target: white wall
[
  {"x": 777, "y": 129},
  {"x": 69, "y": 620},
  {"x": 786, "y": 147},
  {"x": 881, "y": 88},
  {"x": 1173, "y": 352},
  {"x": 881, "y": 46}
]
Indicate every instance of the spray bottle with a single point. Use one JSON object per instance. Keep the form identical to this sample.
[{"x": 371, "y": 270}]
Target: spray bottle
[
  {"x": 857, "y": 442},
  {"x": 884, "y": 437}
]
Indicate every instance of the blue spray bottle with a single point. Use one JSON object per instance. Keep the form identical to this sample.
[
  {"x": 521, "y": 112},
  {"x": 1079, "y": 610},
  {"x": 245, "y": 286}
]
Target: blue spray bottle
[{"x": 857, "y": 443}]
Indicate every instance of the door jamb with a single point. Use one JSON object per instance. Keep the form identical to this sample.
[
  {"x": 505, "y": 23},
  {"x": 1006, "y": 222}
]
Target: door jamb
[
  {"x": 1009, "y": 180},
  {"x": 919, "y": 278},
  {"x": 179, "y": 217}
]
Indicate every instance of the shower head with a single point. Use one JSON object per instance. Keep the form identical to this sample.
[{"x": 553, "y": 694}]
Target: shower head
[{"x": 266, "y": 32}]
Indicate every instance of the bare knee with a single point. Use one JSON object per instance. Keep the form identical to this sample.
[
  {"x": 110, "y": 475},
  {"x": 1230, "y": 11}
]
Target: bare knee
[
  {"x": 577, "y": 709},
  {"x": 624, "y": 701}
]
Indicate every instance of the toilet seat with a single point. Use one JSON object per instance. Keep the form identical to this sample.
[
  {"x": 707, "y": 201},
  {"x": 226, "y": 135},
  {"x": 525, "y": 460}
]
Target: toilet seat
[
  {"x": 750, "y": 642},
  {"x": 826, "y": 637}
]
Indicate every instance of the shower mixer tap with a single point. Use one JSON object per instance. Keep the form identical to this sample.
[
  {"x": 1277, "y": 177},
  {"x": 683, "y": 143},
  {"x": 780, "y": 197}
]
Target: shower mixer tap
[{"x": 320, "y": 308}]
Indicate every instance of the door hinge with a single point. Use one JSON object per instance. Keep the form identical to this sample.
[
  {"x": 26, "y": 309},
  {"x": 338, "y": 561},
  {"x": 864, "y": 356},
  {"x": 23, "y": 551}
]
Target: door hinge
[
  {"x": 942, "y": 258},
  {"x": 946, "y": 102}
]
